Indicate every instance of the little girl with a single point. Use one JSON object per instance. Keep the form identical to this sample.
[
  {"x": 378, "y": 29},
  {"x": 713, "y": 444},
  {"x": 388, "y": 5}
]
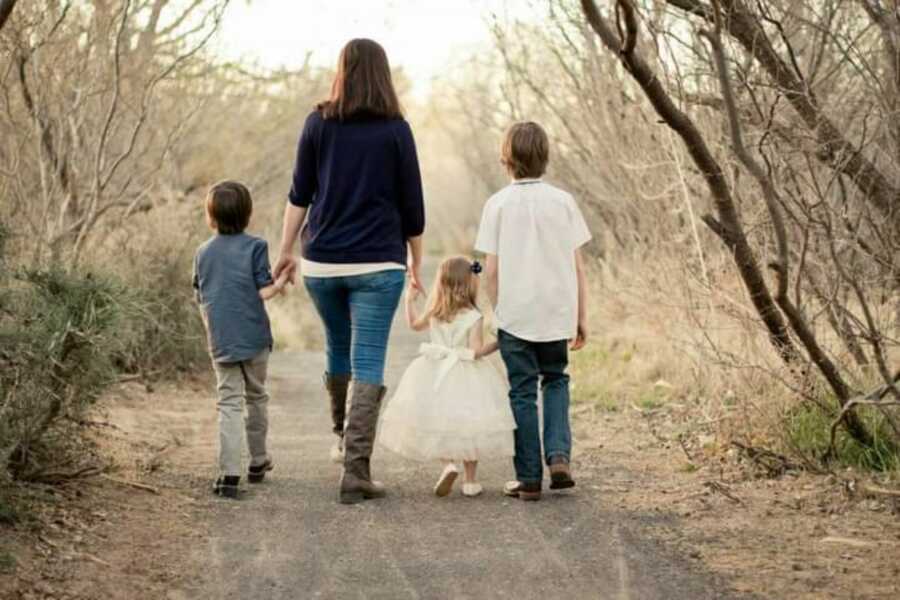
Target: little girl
[{"x": 450, "y": 405}]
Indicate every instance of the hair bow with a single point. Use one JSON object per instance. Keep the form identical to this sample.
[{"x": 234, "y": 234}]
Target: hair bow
[{"x": 476, "y": 267}]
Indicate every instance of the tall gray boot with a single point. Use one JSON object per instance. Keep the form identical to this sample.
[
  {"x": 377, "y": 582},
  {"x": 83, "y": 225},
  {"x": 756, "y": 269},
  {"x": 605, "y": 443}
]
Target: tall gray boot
[
  {"x": 336, "y": 386},
  {"x": 359, "y": 437}
]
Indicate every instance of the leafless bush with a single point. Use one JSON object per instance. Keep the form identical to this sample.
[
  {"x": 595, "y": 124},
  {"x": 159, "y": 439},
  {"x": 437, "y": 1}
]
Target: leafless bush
[
  {"x": 810, "y": 230},
  {"x": 96, "y": 97}
]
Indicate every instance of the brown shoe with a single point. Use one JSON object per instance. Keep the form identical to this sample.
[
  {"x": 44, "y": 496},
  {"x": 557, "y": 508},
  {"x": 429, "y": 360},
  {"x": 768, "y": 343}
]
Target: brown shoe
[
  {"x": 359, "y": 437},
  {"x": 529, "y": 492},
  {"x": 560, "y": 474},
  {"x": 354, "y": 490}
]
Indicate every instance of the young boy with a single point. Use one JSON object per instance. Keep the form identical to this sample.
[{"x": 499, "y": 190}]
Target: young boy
[
  {"x": 232, "y": 279},
  {"x": 531, "y": 233}
]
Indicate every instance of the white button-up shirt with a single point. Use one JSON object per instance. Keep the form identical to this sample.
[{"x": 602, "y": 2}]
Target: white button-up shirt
[{"x": 534, "y": 229}]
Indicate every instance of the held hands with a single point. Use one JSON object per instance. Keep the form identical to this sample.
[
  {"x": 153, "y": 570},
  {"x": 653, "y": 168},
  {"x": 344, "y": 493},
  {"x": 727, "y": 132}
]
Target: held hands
[
  {"x": 413, "y": 291},
  {"x": 581, "y": 337},
  {"x": 279, "y": 286},
  {"x": 281, "y": 283},
  {"x": 413, "y": 267},
  {"x": 286, "y": 266}
]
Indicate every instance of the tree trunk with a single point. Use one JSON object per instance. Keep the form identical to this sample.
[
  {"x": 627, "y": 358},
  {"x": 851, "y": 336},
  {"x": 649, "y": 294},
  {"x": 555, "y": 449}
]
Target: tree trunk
[
  {"x": 6, "y": 8},
  {"x": 728, "y": 226}
]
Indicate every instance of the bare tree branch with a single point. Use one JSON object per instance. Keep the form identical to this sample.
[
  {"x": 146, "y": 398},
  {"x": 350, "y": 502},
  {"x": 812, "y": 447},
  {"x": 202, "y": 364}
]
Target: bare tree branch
[
  {"x": 835, "y": 150},
  {"x": 782, "y": 265},
  {"x": 6, "y": 8},
  {"x": 730, "y": 228}
]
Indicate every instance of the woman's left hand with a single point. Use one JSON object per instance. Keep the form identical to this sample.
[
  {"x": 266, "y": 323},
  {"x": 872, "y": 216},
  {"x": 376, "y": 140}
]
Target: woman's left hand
[
  {"x": 414, "y": 262},
  {"x": 413, "y": 267}
]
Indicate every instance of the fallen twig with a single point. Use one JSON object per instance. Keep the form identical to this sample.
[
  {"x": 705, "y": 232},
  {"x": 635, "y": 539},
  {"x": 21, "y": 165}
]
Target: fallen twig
[
  {"x": 723, "y": 489},
  {"x": 690, "y": 496},
  {"x": 59, "y": 477},
  {"x": 48, "y": 541},
  {"x": 90, "y": 557},
  {"x": 876, "y": 490},
  {"x": 847, "y": 542},
  {"x": 775, "y": 464},
  {"x": 130, "y": 483},
  {"x": 89, "y": 423}
]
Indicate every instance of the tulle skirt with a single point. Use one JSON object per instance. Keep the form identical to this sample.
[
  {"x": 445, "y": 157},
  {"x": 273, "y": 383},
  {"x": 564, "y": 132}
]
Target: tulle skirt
[{"x": 466, "y": 417}]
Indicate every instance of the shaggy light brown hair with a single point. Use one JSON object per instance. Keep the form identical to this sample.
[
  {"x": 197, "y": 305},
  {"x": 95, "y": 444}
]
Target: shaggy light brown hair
[{"x": 526, "y": 150}]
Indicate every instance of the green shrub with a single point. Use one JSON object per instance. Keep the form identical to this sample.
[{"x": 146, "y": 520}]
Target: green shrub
[
  {"x": 809, "y": 432},
  {"x": 66, "y": 336},
  {"x": 59, "y": 333}
]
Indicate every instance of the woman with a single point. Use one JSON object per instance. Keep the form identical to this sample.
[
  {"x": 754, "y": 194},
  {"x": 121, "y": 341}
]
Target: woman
[{"x": 358, "y": 187}]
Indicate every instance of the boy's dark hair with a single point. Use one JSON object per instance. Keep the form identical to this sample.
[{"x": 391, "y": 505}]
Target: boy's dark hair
[
  {"x": 229, "y": 205},
  {"x": 526, "y": 150}
]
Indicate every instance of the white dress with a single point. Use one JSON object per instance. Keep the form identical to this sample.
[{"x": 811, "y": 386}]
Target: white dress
[{"x": 447, "y": 404}]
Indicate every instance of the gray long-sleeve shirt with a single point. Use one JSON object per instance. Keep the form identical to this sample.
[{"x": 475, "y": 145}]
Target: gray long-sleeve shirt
[{"x": 229, "y": 271}]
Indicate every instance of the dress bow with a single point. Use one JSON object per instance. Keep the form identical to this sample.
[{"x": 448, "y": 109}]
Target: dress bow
[{"x": 447, "y": 357}]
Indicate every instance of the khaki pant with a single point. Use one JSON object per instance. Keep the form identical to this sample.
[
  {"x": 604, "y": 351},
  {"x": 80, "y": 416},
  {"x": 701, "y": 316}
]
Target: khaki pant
[{"x": 239, "y": 384}]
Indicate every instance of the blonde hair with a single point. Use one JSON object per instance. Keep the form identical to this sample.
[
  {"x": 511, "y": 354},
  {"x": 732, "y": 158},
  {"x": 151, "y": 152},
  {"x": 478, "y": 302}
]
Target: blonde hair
[{"x": 455, "y": 289}]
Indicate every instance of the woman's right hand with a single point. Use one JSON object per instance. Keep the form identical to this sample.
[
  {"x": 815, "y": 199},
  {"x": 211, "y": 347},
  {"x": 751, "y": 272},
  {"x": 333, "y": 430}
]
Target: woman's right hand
[{"x": 286, "y": 264}]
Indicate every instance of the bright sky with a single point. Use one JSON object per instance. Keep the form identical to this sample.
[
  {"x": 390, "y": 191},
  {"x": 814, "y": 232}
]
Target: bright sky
[{"x": 422, "y": 36}]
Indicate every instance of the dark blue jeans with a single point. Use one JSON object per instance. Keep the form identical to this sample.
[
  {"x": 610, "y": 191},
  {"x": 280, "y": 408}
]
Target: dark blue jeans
[
  {"x": 357, "y": 313},
  {"x": 526, "y": 364}
]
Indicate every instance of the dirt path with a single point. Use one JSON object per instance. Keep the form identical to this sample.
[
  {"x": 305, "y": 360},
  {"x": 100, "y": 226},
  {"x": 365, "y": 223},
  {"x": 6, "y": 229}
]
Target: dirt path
[
  {"x": 639, "y": 525},
  {"x": 290, "y": 538}
]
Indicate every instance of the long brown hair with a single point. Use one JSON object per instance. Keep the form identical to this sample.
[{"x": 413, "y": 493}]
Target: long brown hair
[
  {"x": 455, "y": 289},
  {"x": 362, "y": 84}
]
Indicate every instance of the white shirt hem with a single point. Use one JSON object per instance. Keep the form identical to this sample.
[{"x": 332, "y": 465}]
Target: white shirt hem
[{"x": 309, "y": 268}]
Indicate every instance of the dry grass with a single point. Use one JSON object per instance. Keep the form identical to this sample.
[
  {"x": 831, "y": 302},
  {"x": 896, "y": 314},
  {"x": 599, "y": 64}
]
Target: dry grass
[{"x": 662, "y": 343}]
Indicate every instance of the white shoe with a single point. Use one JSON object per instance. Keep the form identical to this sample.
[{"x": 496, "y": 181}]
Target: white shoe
[
  {"x": 472, "y": 489},
  {"x": 511, "y": 489},
  {"x": 337, "y": 450},
  {"x": 445, "y": 481}
]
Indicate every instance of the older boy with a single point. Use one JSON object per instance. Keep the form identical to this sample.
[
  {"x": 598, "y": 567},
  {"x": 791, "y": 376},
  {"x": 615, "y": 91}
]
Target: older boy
[
  {"x": 531, "y": 233},
  {"x": 232, "y": 279}
]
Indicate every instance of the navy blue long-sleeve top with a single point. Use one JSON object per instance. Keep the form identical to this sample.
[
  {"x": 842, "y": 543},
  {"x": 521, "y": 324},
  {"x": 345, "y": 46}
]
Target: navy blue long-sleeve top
[{"x": 360, "y": 179}]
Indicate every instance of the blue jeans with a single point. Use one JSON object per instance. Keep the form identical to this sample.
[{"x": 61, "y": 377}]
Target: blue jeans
[
  {"x": 526, "y": 363},
  {"x": 357, "y": 312}
]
